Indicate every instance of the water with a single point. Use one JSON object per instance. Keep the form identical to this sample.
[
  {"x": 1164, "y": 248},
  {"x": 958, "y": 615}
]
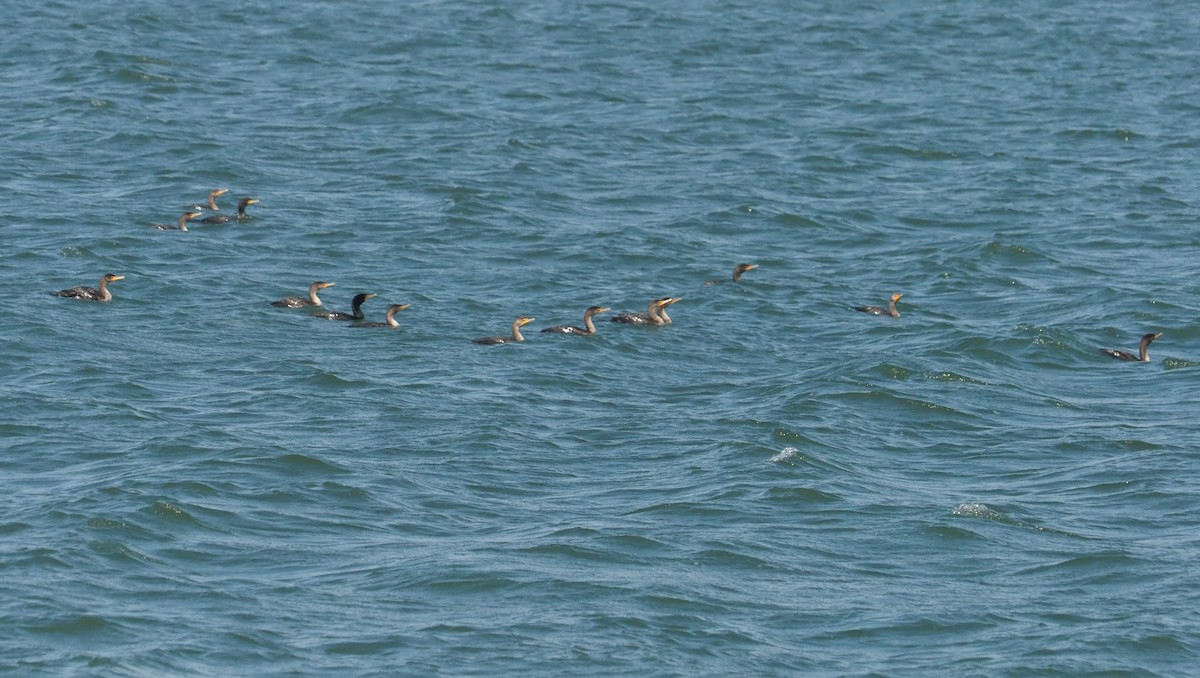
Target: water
[{"x": 195, "y": 481}]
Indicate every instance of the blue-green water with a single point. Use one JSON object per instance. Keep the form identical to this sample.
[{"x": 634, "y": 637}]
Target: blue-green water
[{"x": 195, "y": 482}]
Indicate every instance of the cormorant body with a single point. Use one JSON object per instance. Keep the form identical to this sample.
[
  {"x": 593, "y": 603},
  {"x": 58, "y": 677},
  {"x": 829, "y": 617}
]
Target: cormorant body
[
  {"x": 223, "y": 218},
  {"x": 301, "y": 302},
  {"x": 92, "y": 293},
  {"x": 588, "y": 328},
  {"x": 889, "y": 311},
  {"x": 355, "y": 306},
  {"x": 520, "y": 322},
  {"x": 1143, "y": 355}
]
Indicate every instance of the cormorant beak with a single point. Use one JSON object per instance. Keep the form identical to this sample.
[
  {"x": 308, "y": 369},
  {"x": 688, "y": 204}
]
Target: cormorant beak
[
  {"x": 221, "y": 191},
  {"x": 402, "y": 307},
  {"x": 526, "y": 321},
  {"x": 751, "y": 267},
  {"x": 328, "y": 284},
  {"x": 603, "y": 310},
  {"x": 121, "y": 277},
  {"x": 193, "y": 215},
  {"x": 370, "y": 296}
]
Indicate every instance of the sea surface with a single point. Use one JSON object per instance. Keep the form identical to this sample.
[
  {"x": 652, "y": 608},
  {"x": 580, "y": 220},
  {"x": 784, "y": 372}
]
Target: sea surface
[{"x": 195, "y": 482}]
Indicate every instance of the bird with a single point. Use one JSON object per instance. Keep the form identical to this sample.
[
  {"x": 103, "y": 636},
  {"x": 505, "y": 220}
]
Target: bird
[
  {"x": 389, "y": 318},
  {"x": 656, "y": 313},
  {"x": 92, "y": 293},
  {"x": 876, "y": 310},
  {"x": 1143, "y": 355},
  {"x": 355, "y": 306},
  {"x": 181, "y": 225},
  {"x": 737, "y": 274},
  {"x": 223, "y": 218},
  {"x": 520, "y": 322},
  {"x": 301, "y": 302},
  {"x": 588, "y": 327}
]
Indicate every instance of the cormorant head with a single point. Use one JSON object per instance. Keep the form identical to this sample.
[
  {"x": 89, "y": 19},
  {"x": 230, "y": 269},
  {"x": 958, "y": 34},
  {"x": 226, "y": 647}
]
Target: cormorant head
[
  {"x": 397, "y": 307},
  {"x": 1147, "y": 338},
  {"x": 360, "y": 298},
  {"x": 596, "y": 310},
  {"x": 525, "y": 320},
  {"x": 896, "y": 297},
  {"x": 319, "y": 284},
  {"x": 742, "y": 268},
  {"x": 192, "y": 214},
  {"x": 246, "y": 201},
  {"x": 109, "y": 277},
  {"x": 217, "y": 192},
  {"x": 667, "y": 301}
]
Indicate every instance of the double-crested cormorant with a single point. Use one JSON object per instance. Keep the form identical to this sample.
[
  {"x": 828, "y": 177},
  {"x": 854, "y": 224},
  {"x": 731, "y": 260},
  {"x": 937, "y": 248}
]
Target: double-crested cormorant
[
  {"x": 355, "y": 306},
  {"x": 212, "y": 200},
  {"x": 656, "y": 313},
  {"x": 1143, "y": 355},
  {"x": 181, "y": 225},
  {"x": 516, "y": 333},
  {"x": 588, "y": 327},
  {"x": 92, "y": 293},
  {"x": 737, "y": 273},
  {"x": 876, "y": 310},
  {"x": 222, "y": 218},
  {"x": 301, "y": 302},
  {"x": 389, "y": 317}
]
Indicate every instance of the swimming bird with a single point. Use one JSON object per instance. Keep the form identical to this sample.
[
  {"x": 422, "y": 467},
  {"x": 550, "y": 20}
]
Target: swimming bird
[
  {"x": 588, "y": 327},
  {"x": 182, "y": 223},
  {"x": 520, "y": 322},
  {"x": 92, "y": 293},
  {"x": 737, "y": 274},
  {"x": 1143, "y": 355},
  {"x": 301, "y": 302},
  {"x": 656, "y": 313},
  {"x": 355, "y": 306},
  {"x": 241, "y": 213},
  {"x": 389, "y": 318},
  {"x": 212, "y": 201},
  {"x": 876, "y": 310}
]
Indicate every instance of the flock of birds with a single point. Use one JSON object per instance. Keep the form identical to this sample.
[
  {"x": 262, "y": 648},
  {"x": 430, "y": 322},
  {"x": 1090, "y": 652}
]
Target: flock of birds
[{"x": 656, "y": 311}]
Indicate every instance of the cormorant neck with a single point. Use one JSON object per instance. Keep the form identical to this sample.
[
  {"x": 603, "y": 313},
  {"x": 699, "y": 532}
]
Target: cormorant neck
[
  {"x": 892, "y": 309},
  {"x": 105, "y": 295},
  {"x": 312, "y": 295},
  {"x": 516, "y": 333},
  {"x": 587, "y": 323}
]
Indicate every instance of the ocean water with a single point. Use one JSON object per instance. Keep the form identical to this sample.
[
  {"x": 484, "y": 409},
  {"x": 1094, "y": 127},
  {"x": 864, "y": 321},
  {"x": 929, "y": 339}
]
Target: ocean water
[{"x": 195, "y": 482}]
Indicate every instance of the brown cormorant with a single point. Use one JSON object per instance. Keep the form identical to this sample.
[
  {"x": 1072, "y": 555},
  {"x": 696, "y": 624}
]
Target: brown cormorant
[
  {"x": 876, "y": 310},
  {"x": 737, "y": 274},
  {"x": 389, "y": 317},
  {"x": 181, "y": 225},
  {"x": 301, "y": 302},
  {"x": 656, "y": 313},
  {"x": 588, "y": 327},
  {"x": 1143, "y": 355},
  {"x": 92, "y": 293},
  {"x": 241, "y": 213},
  {"x": 516, "y": 333}
]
